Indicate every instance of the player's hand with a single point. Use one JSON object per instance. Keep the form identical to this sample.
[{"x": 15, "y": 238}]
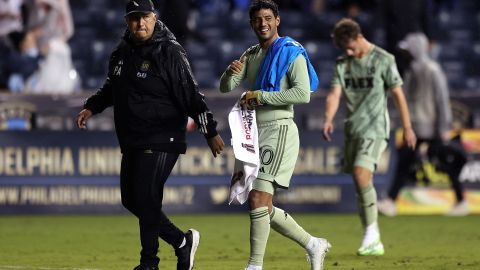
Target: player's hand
[
  {"x": 251, "y": 99},
  {"x": 236, "y": 66},
  {"x": 327, "y": 131},
  {"x": 83, "y": 117},
  {"x": 216, "y": 144},
  {"x": 409, "y": 138}
]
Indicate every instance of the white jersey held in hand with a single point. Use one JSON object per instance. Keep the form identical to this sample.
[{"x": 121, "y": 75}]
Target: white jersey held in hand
[{"x": 243, "y": 126}]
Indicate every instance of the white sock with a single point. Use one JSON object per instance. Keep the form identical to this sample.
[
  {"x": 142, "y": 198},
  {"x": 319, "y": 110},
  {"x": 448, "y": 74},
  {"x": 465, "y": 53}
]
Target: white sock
[
  {"x": 183, "y": 243},
  {"x": 372, "y": 234},
  {"x": 312, "y": 244}
]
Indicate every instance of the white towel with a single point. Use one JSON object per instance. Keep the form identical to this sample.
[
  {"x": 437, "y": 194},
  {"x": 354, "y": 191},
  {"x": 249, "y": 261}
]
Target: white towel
[{"x": 243, "y": 125}]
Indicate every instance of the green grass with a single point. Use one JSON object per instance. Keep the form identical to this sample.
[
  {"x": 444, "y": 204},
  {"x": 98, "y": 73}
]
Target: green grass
[{"x": 111, "y": 243}]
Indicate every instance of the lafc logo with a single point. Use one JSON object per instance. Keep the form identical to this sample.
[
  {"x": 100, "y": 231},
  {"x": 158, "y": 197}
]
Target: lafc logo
[
  {"x": 145, "y": 66},
  {"x": 143, "y": 70}
]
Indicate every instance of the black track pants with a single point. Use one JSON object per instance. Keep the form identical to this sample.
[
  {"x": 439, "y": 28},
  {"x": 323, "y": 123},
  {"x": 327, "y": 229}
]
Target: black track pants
[{"x": 143, "y": 176}]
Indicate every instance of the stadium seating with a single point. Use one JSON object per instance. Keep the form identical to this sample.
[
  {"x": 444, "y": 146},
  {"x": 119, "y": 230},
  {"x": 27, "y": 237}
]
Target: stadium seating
[{"x": 98, "y": 28}]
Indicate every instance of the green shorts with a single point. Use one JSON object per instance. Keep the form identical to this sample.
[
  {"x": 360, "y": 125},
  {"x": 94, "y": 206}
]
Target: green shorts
[
  {"x": 362, "y": 152},
  {"x": 279, "y": 145}
]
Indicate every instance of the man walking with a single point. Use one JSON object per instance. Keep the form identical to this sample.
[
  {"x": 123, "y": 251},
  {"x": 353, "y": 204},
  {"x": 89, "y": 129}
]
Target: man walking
[
  {"x": 280, "y": 75},
  {"x": 426, "y": 90},
  {"x": 152, "y": 91},
  {"x": 365, "y": 75}
]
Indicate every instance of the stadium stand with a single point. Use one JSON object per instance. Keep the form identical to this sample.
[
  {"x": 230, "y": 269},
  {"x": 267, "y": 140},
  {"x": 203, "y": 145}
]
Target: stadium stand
[{"x": 97, "y": 31}]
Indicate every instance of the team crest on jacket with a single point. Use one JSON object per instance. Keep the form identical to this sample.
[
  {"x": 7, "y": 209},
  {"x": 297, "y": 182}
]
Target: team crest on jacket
[
  {"x": 143, "y": 69},
  {"x": 145, "y": 66}
]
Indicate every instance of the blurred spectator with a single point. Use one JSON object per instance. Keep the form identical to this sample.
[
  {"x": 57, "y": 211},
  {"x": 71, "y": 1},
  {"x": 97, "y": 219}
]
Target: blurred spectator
[
  {"x": 56, "y": 73},
  {"x": 10, "y": 17},
  {"x": 22, "y": 60},
  {"x": 427, "y": 94},
  {"x": 55, "y": 18},
  {"x": 400, "y": 18},
  {"x": 10, "y": 21}
]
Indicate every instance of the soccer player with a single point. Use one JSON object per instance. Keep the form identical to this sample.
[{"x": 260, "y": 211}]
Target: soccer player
[
  {"x": 365, "y": 75},
  {"x": 278, "y": 137}
]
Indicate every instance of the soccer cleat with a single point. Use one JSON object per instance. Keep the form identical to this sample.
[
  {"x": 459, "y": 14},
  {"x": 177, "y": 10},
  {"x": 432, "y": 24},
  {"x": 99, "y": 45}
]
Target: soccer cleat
[
  {"x": 186, "y": 254},
  {"x": 373, "y": 249},
  {"x": 387, "y": 207},
  {"x": 317, "y": 254},
  {"x": 458, "y": 210}
]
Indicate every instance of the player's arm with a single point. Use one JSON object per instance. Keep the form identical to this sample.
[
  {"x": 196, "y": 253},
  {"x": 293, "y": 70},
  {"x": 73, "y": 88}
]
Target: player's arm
[
  {"x": 331, "y": 107},
  {"x": 299, "y": 91},
  {"x": 233, "y": 75},
  {"x": 409, "y": 136}
]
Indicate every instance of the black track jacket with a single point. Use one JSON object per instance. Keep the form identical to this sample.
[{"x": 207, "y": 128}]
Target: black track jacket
[{"x": 152, "y": 90}]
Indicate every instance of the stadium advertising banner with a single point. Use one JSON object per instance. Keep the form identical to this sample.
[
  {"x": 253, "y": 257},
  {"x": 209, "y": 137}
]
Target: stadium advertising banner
[
  {"x": 78, "y": 172},
  {"x": 430, "y": 191}
]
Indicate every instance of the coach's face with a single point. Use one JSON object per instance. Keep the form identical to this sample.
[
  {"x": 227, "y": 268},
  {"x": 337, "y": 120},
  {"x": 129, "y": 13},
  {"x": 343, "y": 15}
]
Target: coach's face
[
  {"x": 265, "y": 25},
  {"x": 141, "y": 25}
]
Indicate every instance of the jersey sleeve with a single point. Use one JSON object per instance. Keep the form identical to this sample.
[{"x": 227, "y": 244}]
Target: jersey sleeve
[
  {"x": 336, "y": 78},
  {"x": 391, "y": 76}
]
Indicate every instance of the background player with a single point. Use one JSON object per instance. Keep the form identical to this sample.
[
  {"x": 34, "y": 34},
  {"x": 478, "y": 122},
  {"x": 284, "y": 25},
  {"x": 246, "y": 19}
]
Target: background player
[{"x": 365, "y": 75}]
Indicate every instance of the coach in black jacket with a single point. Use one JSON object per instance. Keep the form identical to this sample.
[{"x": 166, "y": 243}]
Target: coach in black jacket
[{"x": 152, "y": 90}]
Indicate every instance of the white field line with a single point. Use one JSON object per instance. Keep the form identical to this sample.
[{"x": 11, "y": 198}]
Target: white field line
[{"x": 42, "y": 267}]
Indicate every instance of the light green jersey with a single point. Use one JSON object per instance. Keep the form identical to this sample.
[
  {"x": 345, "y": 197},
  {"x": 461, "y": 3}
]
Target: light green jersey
[
  {"x": 294, "y": 86},
  {"x": 365, "y": 83}
]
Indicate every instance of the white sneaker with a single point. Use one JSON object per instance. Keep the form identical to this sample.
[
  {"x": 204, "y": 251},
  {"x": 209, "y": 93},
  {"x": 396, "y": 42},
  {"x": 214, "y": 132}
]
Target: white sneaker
[
  {"x": 316, "y": 254},
  {"x": 373, "y": 249},
  {"x": 387, "y": 207},
  {"x": 458, "y": 210}
]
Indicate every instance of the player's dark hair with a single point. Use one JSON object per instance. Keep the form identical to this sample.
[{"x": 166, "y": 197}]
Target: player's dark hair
[
  {"x": 344, "y": 31},
  {"x": 256, "y": 5}
]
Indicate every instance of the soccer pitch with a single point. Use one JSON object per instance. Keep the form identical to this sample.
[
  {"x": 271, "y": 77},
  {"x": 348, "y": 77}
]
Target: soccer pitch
[{"x": 111, "y": 243}]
